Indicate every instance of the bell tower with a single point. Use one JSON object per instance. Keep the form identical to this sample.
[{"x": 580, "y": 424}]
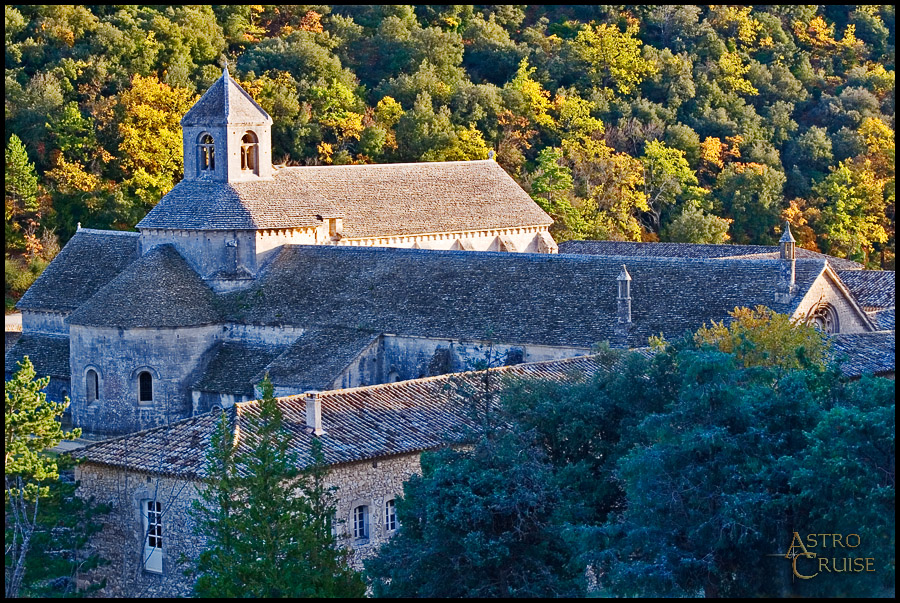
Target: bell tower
[{"x": 227, "y": 136}]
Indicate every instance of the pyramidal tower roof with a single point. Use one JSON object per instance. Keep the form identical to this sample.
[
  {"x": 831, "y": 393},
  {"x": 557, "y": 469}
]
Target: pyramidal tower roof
[{"x": 225, "y": 103}]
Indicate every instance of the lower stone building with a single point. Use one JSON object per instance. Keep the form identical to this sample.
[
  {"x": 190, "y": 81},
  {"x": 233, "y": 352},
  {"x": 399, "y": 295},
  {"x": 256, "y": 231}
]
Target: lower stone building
[{"x": 372, "y": 438}]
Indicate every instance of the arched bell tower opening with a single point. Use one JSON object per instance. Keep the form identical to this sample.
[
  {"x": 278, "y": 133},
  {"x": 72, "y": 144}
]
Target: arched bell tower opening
[
  {"x": 250, "y": 153},
  {"x": 206, "y": 160}
]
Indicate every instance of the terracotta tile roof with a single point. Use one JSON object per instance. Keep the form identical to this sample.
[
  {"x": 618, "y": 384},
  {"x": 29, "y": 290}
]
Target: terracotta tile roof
[
  {"x": 360, "y": 423},
  {"x": 48, "y": 353},
  {"x": 88, "y": 262},
  {"x": 516, "y": 298},
  {"x": 374, "y": 200},
  {"x": 225, "y": 103},
  {"x": 873, "y": 289},
  {"x": 865, "y": 353},
  {"x": 692, "y": 250},
  {"x": 158, "y": 290}
]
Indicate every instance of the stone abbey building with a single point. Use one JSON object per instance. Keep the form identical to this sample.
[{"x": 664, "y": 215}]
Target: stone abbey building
[{"x": 370, "y": 284}]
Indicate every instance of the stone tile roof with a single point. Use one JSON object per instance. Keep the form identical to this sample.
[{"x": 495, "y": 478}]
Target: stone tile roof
[
  {"x": 233, "y": 366},
  {"x": 873, "y": 289},
  {"x": 225, "y": 103},
  {"x": 359, "y": 423},
  {"x": 883, "y": 319},
  {"x": 158, "y": 290},
  {"x": 48, "y": 353},
  {"x": 374, "y": 200},
  {"x": 515, "y": 298},
  {"x": 692, "y": 250},
  {"x": 865, "y": 353},
  {"x": 412, "y": 198},
  {"x": 317, "y": 358},
  {"x": 88, "y": 262}
]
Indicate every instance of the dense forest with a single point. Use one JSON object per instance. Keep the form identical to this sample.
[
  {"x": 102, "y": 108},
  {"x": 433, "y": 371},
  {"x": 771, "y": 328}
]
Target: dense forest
[{"x": 653, "y": 123}]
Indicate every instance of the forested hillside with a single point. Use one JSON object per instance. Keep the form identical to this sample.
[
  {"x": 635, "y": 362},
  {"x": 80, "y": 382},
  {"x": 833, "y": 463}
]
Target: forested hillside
[{"x": 673, "y": 123}]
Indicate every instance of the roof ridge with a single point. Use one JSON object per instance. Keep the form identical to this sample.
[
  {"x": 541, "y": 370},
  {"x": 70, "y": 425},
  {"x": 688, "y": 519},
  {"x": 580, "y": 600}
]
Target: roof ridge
[{"x": 445, "y": 376}]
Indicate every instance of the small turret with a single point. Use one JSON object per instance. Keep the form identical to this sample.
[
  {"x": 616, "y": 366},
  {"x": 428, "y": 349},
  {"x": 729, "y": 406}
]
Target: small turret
[{"x": 786, "y": 287}]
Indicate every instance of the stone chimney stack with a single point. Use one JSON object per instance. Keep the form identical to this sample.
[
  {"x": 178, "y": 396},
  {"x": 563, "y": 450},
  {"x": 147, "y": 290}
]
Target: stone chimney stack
[
  {"x": 787, "y": 270},
  {"x": 624, "y": 281},
  {"x": 314, "y": 412}
]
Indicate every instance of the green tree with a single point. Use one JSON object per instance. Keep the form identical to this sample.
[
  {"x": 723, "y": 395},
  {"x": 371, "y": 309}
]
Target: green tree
[
  {"x": 478, "y": 523},
  {"x": 668, "y": 180},
  {"x": 694, "y": 225},
  {"x": 761, "y": 337},
  {"x": 751, "y": 195},
  {"x": 614, "y": 57},
  {"x": 853, "y": 213},
  {"x": 21, "y": 189},
  {"x": 268, "y": 523},
  {"x": 31, "y": 427}
]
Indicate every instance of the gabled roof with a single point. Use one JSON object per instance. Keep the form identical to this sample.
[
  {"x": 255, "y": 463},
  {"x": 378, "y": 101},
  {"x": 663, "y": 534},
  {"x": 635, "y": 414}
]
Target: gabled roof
[
  {"x": 873, "y": 289},
  {"x": 693, "y": 250},
  {"x": 317, "y": 358},
  {"x": 89, "y": 261},
  {"x": 158, "y": 290},
  {"x": 225, "y": 103},
  {"x": 567, "y": 300},
  {"x": 360, "y": 423},
  {"x": 865, "y": 353},
  {"x": 883, "y": 319},
  {"x": 374, "y": 200},
  {"x": 415, "y": 198},
  {"x": 48, "y": 353}
]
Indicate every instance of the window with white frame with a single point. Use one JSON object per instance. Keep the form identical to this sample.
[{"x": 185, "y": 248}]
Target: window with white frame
[
  {"x": 361, "y": 522},
  {"x": 151, "y": 514},
  {"x": 390, "y": 516}
]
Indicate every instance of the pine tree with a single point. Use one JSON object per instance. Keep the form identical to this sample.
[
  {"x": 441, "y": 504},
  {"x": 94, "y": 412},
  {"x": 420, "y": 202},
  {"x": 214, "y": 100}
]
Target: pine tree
[
  {"x": 267, "y": 523},
  {"x": 31, "y": 477}
]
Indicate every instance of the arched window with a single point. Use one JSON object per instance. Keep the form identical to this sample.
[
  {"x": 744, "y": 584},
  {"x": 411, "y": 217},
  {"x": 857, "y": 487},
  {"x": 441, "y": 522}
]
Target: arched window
[
  {"x": 145, "y": 387},
  {"x": 207, "y": 153},
  {"x": 824, "y": 318},
  {"x": 250, "y": 152},
  {"x": 92, "y": 386},
  {"x": 361, "y": 522}
]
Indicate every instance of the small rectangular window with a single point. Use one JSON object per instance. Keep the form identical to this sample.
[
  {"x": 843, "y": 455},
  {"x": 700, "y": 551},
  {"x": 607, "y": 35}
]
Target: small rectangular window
[
  {"x": 390, "y": 516},
  {"x": 151, "y": 513}
]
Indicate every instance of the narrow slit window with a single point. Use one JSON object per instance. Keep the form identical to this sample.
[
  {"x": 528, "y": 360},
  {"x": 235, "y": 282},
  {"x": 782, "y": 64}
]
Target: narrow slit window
[
  {"x": 145, "y": 385},
  {"x": 92, "y": 386}
]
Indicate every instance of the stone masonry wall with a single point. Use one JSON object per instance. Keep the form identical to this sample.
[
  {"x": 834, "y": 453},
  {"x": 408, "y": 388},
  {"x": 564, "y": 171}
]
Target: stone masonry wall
[
  {"x": 172, "y": 356},
  {"x": 825, "y": 290},
  {"x": 370, "y": 483}
]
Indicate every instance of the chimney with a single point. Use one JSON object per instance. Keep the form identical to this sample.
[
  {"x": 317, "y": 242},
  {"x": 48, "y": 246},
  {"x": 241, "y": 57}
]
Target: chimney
[
  {"x": 314, "y": 412},
  {"x": 231, "y": 256},
  {"x": 787, "y": 286},
  {"x": 624, "y": 281}
]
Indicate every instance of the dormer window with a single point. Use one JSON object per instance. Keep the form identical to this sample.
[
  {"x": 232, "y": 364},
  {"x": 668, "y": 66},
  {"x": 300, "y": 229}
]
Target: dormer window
[
  {"x": 207, "y": 153},
  {"x": 250, "y": 153}
]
